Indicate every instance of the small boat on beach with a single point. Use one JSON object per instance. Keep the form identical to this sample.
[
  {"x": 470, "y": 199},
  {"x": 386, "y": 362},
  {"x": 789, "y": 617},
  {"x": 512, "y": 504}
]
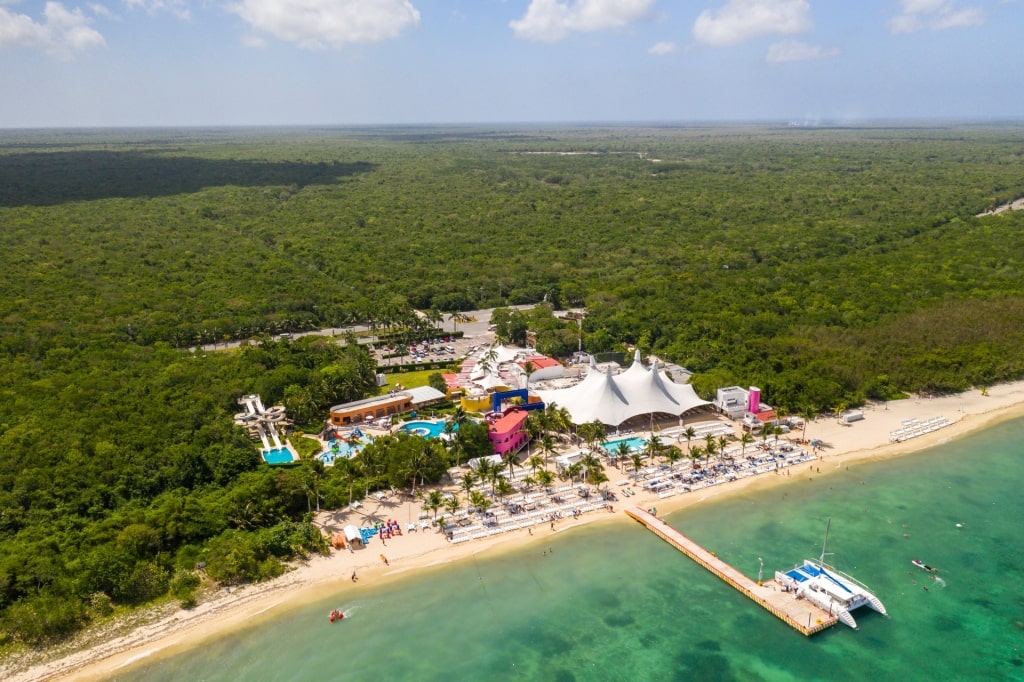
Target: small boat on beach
[
  {"x": 923, "y": 565},
  {"x": 829, "y": 588}
]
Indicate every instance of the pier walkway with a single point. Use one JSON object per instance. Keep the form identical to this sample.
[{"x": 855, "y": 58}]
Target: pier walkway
[{"x": 799, "y": 614}]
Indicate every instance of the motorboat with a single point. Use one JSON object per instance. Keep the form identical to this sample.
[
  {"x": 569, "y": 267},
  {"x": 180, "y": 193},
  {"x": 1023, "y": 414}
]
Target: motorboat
[{"x": 828, "y": 587}]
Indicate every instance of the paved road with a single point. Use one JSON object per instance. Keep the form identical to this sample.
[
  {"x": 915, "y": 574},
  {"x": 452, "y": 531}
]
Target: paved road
[{"x": 474, "y": 332}]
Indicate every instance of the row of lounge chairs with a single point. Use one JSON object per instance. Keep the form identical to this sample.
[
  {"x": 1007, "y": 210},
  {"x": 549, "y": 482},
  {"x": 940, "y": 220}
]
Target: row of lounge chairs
[
  {"x": 912, "y": 428},
  {"x": 503, "y": 523},
  {"x": 671, "y": 482}
]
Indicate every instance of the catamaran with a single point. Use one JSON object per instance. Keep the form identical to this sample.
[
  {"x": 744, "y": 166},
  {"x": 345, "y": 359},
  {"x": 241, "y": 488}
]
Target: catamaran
[{"x": 829, "y": 588}]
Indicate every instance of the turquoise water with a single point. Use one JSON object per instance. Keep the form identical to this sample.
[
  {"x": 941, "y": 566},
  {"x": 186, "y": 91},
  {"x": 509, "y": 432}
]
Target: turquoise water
[
  {"x": 635, "y": 444},
  {"x": 616, "y": 603},
  {"x": 425, "y": 428},
  {"x": 343, "y": 449},
  {"x": 277, "y": 456}
]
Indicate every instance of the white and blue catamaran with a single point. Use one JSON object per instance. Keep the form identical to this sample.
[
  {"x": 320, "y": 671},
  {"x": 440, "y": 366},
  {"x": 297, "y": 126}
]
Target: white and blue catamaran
[{"x": 829, "y": 588}]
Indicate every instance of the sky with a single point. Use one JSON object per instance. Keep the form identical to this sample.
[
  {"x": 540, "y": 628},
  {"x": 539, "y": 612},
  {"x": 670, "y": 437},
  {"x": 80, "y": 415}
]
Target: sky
[{"x": 86, "y": 63}]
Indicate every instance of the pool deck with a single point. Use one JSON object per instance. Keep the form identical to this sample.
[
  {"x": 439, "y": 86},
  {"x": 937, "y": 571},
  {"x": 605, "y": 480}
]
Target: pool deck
[{"x": 799, "y": 614}]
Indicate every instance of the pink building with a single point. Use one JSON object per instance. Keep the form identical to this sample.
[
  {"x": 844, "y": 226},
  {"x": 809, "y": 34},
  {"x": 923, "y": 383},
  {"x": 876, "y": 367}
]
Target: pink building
[
  {"x": 754, "y": 400},
  {"x": 508, "y": 432}
]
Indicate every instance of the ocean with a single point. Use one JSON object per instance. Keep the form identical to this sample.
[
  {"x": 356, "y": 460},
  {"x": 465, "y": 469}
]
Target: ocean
[{"x": 614, "y": 602}]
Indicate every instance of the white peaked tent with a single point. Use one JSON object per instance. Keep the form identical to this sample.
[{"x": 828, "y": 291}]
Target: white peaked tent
[{"x": 614, "y": 399}]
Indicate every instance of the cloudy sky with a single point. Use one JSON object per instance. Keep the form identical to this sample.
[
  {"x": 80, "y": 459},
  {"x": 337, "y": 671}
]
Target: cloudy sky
[{"x": 294, "y": 62}]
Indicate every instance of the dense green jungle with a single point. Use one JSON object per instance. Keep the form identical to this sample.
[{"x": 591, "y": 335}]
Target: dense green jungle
[{"x": 826, "y": 265}]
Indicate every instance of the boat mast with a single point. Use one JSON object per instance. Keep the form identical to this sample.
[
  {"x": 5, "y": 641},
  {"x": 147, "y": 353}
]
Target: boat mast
[{"x": 821, "y": 561}]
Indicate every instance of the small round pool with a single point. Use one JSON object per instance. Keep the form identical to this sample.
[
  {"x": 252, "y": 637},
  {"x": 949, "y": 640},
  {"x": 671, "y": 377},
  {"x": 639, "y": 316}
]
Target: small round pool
[{"x": 425, "y": 429}]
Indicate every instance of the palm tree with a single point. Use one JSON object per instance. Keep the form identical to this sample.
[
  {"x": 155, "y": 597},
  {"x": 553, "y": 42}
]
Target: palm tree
[
  {"x": 690, "y": 434},
  {"x": 556, "y": 418},
  {"x": 435, "y": 317},
  {"x": 534, "y": 429},
  {"x": 479, "y": 500},
  {"x": 503, "y": 487},
  {"x": 591, "y": 465},
  {"x": 722, "y": 442},
  {"x": 528, "y": 369},
  {"x": 710, "y": 445},
  {"x": 638, "y": 461},
  {"x": 575, "y": 469},
  {"x": 710, "y": 448},
  {"x": 696, "y": 453},
  {"x": 535, "y": 462},
  {"x": 654, "y": 447},
  {"x": 434, "y": 501},
  {"x": 512, "y": 460},
  {"x": 622, "y": 450},
  {"x": 592, "y": 432},
  {"x": 468, "y": 481},
  {"x": 455, "y": 319},
  {"x": 314, "y": 474},
  {"x": 547, "y": 445},
  {"x": 673, "y": 455},
  {"x": 807, "y": 414},
  {"x": 484, "y": 467},
  {"x": 452, "y": 504},
  {"x": 545, "y": 477},
  {"x": 745, "y": 439}
]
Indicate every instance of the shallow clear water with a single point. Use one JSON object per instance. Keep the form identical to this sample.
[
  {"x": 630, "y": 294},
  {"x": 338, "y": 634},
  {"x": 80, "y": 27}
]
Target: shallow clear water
[
  {"x": 617, "y": 603},
  {"x": 278, "y": 456},
  {"x": 427, "y": 429},
  {"x": 635, "y": 444}
]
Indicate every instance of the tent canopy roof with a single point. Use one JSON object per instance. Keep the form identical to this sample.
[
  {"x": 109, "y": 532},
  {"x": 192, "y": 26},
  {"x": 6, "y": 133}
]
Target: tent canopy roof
[{"x": 614, "y": 399}]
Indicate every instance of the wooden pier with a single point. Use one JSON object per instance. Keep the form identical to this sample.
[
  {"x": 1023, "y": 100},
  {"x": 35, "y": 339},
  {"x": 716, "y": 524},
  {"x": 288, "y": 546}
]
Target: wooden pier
[{"x": 799, "y": 614}]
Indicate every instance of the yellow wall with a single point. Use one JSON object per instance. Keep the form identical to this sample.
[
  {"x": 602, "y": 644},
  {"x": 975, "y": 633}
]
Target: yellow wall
[{"x": 476, "y": 404}]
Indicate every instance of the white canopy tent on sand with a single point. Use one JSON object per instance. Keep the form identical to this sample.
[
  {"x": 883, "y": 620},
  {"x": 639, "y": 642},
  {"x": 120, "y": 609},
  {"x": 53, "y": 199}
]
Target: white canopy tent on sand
[{"x": 612, "y": 399}]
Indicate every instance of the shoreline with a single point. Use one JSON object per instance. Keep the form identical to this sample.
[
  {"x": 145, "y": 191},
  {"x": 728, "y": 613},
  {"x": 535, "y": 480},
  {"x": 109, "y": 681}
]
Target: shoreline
[{"x": 232, "y": 610}]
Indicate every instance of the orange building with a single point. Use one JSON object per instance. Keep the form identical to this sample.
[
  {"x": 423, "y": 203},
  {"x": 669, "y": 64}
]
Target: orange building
[{"x": 371, "y": 408}]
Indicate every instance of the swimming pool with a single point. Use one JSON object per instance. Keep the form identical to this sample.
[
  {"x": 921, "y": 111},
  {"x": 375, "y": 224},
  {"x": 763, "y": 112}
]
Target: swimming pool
[
  {"x": 426, "y": 429},
  {"x": 276, "y": 456},
  {"x": 634, "y": 443},
  {"x": 341, "y": 449}
]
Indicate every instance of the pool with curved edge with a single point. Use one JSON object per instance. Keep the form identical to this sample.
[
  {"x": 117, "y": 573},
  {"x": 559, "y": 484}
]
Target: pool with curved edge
[
  {"x": 340, "y": 449},
  {"x": 425, "y": 429}
]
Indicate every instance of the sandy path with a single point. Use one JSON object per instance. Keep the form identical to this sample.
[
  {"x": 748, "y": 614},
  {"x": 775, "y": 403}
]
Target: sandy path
[{"x": 321, "y": 576}]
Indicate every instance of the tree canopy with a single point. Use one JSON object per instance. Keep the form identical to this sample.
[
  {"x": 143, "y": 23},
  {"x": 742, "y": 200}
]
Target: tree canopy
[{"x": 825, "y": 265}]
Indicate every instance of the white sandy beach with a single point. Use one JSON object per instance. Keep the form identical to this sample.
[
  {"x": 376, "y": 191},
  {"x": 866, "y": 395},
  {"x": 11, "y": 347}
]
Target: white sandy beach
[{"x": 227, "y": 611}]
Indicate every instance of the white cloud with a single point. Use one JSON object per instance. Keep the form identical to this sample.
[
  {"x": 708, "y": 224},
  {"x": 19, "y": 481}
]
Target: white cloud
[
  {"x": 101, "y": 10},
  {"x": 934, "y": 15},
  {"x": 178, "y": 8},
  {"x": 63, "y": 32},
  {"x": 796, "y": 51},
  {"x": 320, "y": 23},
  {"x": 740, "y": 20},
  {"x": 548, "y": 21},
  {"x": 663, "y": 48}
]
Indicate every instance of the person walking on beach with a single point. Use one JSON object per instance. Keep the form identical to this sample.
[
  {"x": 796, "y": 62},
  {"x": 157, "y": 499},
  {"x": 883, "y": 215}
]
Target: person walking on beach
[{"x": 354, "y": 578}]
